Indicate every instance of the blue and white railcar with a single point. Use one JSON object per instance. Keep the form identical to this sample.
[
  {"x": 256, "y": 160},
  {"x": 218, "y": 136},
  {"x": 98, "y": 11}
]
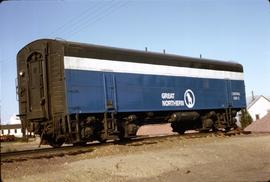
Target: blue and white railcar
[
  {"x": 120, "y": 86},
  {"x": 74, "y": 93}
]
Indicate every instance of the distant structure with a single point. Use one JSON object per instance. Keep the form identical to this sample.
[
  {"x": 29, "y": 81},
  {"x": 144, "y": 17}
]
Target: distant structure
[
  {"x": 258, "y": 107},
  {"x": 261, "y": 125},
  {"x": 11, "y": 129},
  {"x": 14, "y": 127}
]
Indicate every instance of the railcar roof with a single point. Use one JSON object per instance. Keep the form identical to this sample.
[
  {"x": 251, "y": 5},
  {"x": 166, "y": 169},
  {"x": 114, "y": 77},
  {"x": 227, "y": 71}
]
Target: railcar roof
[{"x": 122, "y": 54}]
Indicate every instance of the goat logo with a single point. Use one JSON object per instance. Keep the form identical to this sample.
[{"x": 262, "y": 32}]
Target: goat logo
[{"x": 189, "y": 98}]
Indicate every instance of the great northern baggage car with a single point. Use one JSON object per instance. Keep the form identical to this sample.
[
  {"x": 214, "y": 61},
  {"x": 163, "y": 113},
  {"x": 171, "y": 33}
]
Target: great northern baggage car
[{"x": 74, "y": 93}]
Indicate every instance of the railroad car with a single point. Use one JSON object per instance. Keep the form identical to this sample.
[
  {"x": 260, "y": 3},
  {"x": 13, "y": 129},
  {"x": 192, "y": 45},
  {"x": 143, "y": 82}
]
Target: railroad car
[{"x": 74, "y": 92}]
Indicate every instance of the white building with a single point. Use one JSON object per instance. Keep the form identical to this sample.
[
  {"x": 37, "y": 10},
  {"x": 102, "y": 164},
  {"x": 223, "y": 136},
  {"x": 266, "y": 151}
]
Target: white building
[
  {"x": 258, "y": 107},
  {"x": 11, "y": 129}
]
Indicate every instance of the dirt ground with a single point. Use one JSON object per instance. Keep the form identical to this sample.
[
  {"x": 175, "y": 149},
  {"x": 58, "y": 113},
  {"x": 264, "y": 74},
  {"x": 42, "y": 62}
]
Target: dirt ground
[
  {"x": 238, "y": 158},
  {"x": 32, "y": 143}
]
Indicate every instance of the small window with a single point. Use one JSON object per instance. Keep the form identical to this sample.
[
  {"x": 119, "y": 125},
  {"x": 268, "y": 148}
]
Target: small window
[
  {"x": 2, "y": 132},
  {"x": 257, "y": 116},
  {"x": 15, "y": 130},
  {"x": 8, "y": 131}
]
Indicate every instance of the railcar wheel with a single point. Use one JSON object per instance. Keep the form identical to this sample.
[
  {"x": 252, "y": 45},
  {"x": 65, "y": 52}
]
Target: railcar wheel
[
  {"x": 204, "y": 130},
  {"x": 55, "y": 143},
  {"x": 80, "y": 144},
  {"x": 178, "y": 128},
  {"x": 123, "y": 139},
  {"x": 121, "y": 135},
  {"x": 101, "y": 139},
  {"x": 181, "y": 131}
]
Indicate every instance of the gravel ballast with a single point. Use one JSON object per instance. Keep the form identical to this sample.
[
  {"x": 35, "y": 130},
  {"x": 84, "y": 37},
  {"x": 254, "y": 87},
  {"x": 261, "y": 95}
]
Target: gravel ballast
[{"x": 238, "y": 158}]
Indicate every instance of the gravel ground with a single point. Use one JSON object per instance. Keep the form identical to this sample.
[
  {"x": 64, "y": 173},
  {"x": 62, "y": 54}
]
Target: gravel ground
[
  {"x": 33, "y": 143},
  {"x": 238, "y": 158}
]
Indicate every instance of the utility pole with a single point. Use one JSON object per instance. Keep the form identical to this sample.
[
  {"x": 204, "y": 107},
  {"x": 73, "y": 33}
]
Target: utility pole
[
  {"x": 252, "y": 95},
  {"x": 146, "y": 49}
]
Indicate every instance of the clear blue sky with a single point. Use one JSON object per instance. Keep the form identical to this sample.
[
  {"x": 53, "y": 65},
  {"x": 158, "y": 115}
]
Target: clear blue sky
[{"x": 237, "y": 30}]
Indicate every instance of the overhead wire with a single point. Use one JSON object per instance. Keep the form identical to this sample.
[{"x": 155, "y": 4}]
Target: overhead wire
[
  {"x": 90, "y": 19},
  {"x": 94, "y": 20},
  {"x": 74, "y": 20}
]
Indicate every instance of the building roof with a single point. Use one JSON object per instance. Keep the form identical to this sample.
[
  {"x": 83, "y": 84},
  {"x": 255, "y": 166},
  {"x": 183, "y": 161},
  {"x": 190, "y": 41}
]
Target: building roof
[
  {"x": 261, "y": 125},
  {"x": 251, "y": 102},
  {"x": 10, "y": 126}
]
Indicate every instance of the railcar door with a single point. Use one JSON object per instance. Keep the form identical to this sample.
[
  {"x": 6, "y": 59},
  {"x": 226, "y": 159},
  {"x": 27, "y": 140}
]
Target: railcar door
[
  {"x": 229, "y": 93},
  {"x": 37, "y": 102},
  {"x": 109, "y": 91}
]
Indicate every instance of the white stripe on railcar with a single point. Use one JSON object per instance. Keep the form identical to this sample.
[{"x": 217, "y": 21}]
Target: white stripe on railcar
[{"x": 91, "y": 64}]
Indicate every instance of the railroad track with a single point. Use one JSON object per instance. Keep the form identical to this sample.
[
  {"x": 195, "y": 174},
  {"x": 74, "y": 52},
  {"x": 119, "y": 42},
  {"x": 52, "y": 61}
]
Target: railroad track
[
  {"x": 42, "y": 153},
  {"x": 24, "y": 155}
]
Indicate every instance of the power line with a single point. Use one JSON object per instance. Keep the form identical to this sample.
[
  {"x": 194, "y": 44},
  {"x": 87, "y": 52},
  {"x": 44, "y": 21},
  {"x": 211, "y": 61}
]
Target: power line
[
  {"x": 74, "y": 20},
  {"x": 90, "y": 18},
  {"x": 109, "y": 10},
  {"x": 87, "y": 19}
]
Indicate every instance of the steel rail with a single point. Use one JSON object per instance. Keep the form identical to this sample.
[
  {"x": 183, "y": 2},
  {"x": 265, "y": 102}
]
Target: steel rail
[{"x": 24, "y": 155}]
